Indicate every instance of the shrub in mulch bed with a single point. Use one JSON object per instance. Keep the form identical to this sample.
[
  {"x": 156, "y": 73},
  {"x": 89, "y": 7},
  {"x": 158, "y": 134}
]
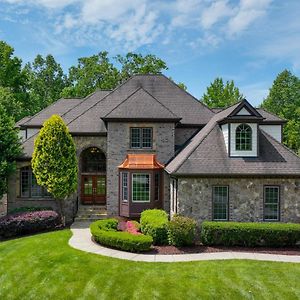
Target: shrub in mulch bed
[
  {"x": 181, "y": 231},
  {"x": 28, "y": 209},
  {"x": 250, "y": 234},
  {"x": 154, "y": 222},
  {"x": 106, "y": 233},
  {"x": 29, "y": 222}
]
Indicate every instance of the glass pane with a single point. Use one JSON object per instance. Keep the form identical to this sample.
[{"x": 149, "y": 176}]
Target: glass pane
[
  {"x": 25, "y": 183},
  {"x": 220, "y": 203},
  {"x": 156, "y": 187},
  {"x": 125, "y": 186},
  {"x": 36, "y": 190},
  {"x": 147, "y": 138},
  {"x": 140, "y": 187},
  {"x": 135, "y": 137},
  {"x": 271, "y": 209},
  {"x": 93, "y": 160},
  {"x": 88, "y": 185},
  {"x": 243, "y": 138},
  {"x": 101, "y": 186}
]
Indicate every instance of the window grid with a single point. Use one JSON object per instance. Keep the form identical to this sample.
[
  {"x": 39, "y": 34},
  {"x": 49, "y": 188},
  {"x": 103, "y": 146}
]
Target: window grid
[
  {"x": 140, "y": 187},
  {"x": 141, "y": 138},
  {"x": 125, "y": 187},
  {"x": 243, "y": 138},
  {"x": 156, "y": 187},
  {"x": 271, "y": 203},
  {"x": 29, "y": 186},
  {"x": 220, "y": 203}
]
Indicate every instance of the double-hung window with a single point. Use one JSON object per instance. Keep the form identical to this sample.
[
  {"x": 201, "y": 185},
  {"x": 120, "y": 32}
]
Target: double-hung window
[
  {"x": 220, "y": 203},
  {"x": 271, "y": 203},
  {"x": 141, "y": 138}
]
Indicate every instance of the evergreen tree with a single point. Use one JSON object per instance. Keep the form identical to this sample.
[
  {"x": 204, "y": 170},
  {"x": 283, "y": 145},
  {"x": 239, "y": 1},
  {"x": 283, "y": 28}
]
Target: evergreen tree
[{"x": 54, "y": 161}]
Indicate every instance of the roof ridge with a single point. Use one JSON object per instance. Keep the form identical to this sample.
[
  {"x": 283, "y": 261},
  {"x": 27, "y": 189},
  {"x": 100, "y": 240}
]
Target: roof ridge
[
  {"x": 194, "y": 98},
  {"x": 44, "y": 109},
  {"x": 274, "y": 115},
  {"x": 280, "y": 144},
  {"x": 135, "y": 91},
  {"x": 117, "y": 87}
]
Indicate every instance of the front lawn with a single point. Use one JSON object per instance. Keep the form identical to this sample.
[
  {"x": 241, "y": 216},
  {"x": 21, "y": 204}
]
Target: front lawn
[{"x": 45, "y": 267}]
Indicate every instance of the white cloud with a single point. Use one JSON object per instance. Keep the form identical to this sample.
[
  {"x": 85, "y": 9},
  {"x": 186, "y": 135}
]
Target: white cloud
[
  {"x": 248, "y": 12},
  {"x": 45, "y": 3},
  {"x": 217, "y": 11}
]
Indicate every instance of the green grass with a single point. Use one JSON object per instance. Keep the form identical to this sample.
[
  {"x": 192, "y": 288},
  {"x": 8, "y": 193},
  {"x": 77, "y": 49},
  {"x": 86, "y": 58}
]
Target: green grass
[{"x": 45, "y": 267}]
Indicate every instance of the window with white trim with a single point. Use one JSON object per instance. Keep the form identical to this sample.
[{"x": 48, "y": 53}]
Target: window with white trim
[
  {"x": 220, "y": 203},
  {"x": 125, "y": 187},
  {"x": 271, "y": 203},
  {"x": 243, "y": 138},
  {"x": 140, "y": 187}
]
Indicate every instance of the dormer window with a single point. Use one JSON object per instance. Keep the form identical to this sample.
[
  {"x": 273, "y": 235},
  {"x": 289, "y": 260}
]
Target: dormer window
[{"x": 243, "y": 138}]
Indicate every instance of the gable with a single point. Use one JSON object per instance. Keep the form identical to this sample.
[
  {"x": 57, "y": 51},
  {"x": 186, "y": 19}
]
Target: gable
[{"x": 243, "y": 112}]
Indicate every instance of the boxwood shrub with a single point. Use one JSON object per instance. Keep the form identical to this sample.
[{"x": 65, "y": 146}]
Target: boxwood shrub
[
  {"x": 29, "y": 222},
  {"x": 105, "y": 233},
  {"x": 182, "y": 231},
  {"x": 250, "y": 234},
  {"x": 154, "y": 222}
]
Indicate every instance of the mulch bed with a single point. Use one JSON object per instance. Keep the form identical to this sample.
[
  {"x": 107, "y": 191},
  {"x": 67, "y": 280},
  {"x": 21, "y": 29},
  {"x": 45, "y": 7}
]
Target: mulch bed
[{"x": 207, "y": 249}]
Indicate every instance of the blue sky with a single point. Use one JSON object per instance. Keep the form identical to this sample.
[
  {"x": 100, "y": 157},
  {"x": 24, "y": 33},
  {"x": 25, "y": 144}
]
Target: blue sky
[{"x": 248, "y": 41}]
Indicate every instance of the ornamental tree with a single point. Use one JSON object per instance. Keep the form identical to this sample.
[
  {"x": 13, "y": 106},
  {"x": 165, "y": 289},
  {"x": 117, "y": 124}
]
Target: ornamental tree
[
  {"x": 54, "y": 161},
  {"x": 10, "y": 148}
]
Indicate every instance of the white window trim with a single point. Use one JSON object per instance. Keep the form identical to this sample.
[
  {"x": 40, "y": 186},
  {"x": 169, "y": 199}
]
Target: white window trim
[
  {"x": 122, "y": 186},
  {"x": 138, "y": 201}
]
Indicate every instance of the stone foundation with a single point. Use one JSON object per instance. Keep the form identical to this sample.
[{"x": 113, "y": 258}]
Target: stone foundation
[{"x": 245, "y": 198}]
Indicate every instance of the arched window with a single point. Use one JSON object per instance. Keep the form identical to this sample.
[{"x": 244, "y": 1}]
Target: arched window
[
  {"x": 243, "y": 138},
  {"x": 93, "y": 161}
]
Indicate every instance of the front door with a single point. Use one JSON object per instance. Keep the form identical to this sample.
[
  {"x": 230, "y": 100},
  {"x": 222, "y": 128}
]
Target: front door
[{"x": 93, "y": 189}]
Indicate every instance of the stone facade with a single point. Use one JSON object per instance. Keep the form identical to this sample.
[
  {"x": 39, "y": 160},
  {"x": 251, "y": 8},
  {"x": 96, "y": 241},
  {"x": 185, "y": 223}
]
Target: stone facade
[
  {"x": 182, "y": 134},
  {"x": 194, "y": 198},
  {"x": 118, "y": 146}
]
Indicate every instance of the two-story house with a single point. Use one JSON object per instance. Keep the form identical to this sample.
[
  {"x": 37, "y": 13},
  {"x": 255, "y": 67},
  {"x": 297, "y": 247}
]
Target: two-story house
[{"x": 149, "y": 143}]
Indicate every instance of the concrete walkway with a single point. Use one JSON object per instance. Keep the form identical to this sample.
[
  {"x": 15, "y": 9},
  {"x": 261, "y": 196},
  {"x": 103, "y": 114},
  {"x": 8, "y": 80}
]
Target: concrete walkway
[{"x": 81, "y": 240}]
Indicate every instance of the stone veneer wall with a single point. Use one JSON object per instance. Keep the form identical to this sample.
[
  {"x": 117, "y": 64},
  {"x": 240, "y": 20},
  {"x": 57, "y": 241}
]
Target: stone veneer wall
[
  {"x": 245, "y": 198},
  {"x": 182, "y": 134},
  {"x": 118, "y": 146},
  {"x": 14, "y": 200}
]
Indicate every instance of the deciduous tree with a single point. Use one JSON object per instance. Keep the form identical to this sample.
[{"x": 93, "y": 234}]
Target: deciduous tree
[{"x": 219, "y": 94}]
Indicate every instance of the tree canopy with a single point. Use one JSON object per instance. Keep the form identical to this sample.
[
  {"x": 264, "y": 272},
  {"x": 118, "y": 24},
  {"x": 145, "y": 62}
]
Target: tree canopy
[
  {"x": 284, "y": 100},
  {"x": 10, "y": 148},
  {"x": 219, "y": 94},
  {"x": 54, "y": 161}
]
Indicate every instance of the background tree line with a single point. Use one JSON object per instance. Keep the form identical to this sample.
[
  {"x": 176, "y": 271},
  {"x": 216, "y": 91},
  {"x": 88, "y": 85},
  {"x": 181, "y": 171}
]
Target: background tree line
[{"x": 27, "y": 89}]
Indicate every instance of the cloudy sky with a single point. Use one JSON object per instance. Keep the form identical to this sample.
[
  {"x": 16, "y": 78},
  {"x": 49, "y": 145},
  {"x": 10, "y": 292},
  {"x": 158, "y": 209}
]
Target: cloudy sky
[{"x": 249, "y": 41}]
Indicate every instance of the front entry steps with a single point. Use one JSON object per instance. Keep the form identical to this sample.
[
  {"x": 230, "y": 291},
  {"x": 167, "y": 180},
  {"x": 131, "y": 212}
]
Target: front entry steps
[{"x": 91, "y": 213}]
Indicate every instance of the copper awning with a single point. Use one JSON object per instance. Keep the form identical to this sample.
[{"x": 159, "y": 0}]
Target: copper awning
[{"x": 141, "y": 161}]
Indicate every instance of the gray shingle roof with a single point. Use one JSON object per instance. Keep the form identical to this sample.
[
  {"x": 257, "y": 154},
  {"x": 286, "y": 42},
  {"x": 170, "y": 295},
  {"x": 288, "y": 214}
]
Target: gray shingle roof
[
  {"x": 210, "y": 158},
  {"x": 141, "y": 105},
  {"x": 206, "y": 154},
  {"x": 59, "y": 107}
]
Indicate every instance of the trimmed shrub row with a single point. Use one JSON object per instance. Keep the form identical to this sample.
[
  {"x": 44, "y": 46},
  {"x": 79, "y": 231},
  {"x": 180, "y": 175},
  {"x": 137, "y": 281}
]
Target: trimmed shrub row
[
  {"x": 182, "y": 231},
  {"x": 105, "y": 233},
  {"x": 250, "y": 234},
  {"x": 154, "y": 222},
  {"x": 29, "y": 222},
  {"x": 28, "y": 209}
]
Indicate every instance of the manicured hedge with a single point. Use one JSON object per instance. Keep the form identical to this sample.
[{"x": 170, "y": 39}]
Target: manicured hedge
[
  {"x": 28, "y": 209},
  {"x": 250, "y": 234},
  {"x": 105, "y": 233},
  {"x": 154, "y": 222},
  {"x": 182, "y": 231},
  {"x": 29, "y": 222}
]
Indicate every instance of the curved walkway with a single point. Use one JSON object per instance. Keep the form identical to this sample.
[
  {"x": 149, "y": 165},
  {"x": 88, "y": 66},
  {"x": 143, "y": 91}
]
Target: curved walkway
[{"x": 81, "y": 240}]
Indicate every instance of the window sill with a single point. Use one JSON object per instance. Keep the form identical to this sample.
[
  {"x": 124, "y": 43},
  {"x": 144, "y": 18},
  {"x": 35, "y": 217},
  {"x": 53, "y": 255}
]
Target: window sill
[{"x": 35, "y": 199}]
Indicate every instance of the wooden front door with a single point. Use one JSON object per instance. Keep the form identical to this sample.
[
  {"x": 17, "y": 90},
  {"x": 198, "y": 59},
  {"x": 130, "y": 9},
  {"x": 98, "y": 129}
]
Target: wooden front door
[{"x": 93, "y": 189}]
